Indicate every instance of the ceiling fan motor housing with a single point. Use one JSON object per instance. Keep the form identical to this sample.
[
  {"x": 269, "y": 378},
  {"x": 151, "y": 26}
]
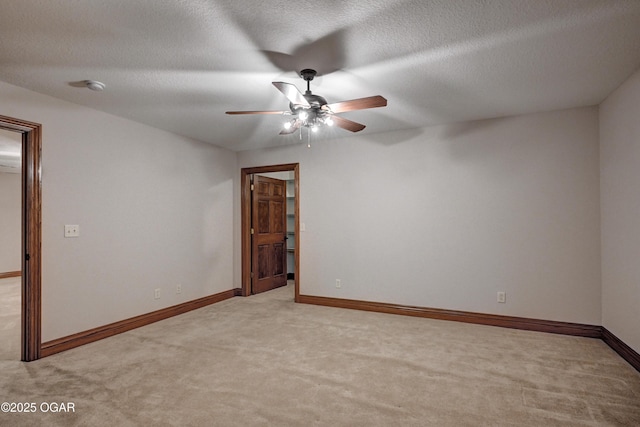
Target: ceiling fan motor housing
[{"x": 316, "y": 101}]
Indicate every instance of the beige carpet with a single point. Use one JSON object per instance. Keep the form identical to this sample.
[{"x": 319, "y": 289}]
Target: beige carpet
[
  {"x": 266, "y": 361},
  {"x": 9, "y": 319}
]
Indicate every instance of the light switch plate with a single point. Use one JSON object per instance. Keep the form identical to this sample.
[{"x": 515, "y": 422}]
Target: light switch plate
[
  {"x": 71, "y": 231},
  {"x": 502, "y": 297}
]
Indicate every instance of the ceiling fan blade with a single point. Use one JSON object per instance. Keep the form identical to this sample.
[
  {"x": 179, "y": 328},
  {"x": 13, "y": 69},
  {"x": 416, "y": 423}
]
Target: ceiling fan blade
[
  {"x": 258, "y": 112},
  {"x": 347, "y": 124},
  {"x": 358, "y": 104},
  {"x": 292, "y": 93},
  {"x": 294, "y": 127}
]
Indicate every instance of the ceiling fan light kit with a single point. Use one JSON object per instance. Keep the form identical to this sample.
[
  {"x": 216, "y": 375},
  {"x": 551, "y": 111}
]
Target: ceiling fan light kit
[{"x": 312, "y": 111}]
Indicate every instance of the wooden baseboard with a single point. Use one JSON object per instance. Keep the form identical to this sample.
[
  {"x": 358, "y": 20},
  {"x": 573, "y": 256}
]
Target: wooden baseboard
[
  {"x": 9, "y": 274},
  {"x": 563, "y": 328},
  {"x": 620, "y": 347},
  {"x": 81, "y": 338},
  {"x": 551, "y": 326}
]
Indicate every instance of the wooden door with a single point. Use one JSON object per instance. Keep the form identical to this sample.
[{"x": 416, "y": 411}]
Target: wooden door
[{"x": 269, "y": 225}]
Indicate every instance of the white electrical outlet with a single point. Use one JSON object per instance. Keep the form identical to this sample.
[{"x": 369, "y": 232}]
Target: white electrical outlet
[
  {"x": 502, "y": 297},
  {"x": 178, "y": 289},
  {"x": 156, "y": 294},
  {"x": 71, "y": 231},
  {"x": 338, "y": 283}
]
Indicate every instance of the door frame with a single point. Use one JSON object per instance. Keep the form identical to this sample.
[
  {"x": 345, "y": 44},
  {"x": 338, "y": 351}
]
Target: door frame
[
  {"x": 245, "y": 212},
  {"x": 31, "y": 218}
]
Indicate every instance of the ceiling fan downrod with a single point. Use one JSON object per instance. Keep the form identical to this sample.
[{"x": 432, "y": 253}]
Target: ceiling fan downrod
[{"x": 308, "y": 74}]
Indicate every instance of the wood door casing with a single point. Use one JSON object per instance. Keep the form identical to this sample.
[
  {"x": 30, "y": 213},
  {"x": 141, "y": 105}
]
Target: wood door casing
[
  {"x": 31, "y": 341},
  {"x": 246, "y": 177},
  {"x": 269, "y": 249}
]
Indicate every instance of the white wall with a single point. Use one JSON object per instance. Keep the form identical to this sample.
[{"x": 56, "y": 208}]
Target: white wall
[
  {"x": 620, "y": 186},
  {"x": 10, "y": 226},
  {"x": 155, "y": 210},
  {"x": 447, "y": 216},
  {"x": 279, "y": 175},
  {"x": 439, "y": 217}
]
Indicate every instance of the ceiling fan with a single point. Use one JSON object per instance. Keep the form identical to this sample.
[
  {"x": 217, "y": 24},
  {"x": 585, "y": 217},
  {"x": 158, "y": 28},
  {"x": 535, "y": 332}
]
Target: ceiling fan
[{"x": 311, "y": 111}]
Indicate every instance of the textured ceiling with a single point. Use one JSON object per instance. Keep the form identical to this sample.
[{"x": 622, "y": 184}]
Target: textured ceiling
[{"x": 180, "y": 65}]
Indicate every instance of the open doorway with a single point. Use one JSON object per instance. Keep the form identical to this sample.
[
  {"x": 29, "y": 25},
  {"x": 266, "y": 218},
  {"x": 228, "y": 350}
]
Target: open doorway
[
  {"x": 10, "y": 243},
  {"x": 30, "y": 234},
  {"x": 290, "y": 173}
]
